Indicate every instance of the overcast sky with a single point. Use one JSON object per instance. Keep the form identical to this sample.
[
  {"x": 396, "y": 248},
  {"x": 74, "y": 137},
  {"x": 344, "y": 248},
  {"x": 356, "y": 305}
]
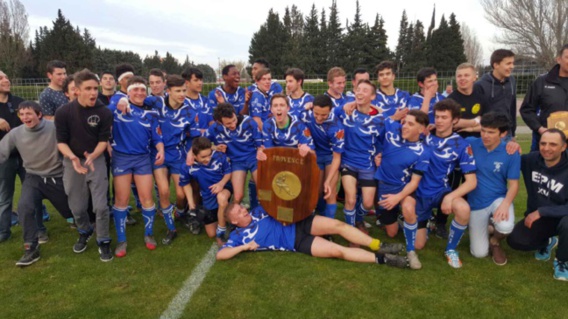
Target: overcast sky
[{"x": 222, "y": 29}]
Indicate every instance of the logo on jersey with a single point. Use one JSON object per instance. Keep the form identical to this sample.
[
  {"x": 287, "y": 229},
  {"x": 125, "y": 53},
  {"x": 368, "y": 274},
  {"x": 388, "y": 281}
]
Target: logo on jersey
[
  {"x": 159, "y": 130},
  {"x": 476, "y": 108},
  {"x": 497, "y": 167},
  {"x": 469, "y": 151},
  {"x": 340, "y": 134},
  {"x": 93, "y": 120},
  {"x": 307, "y": 133},
  {"x": 551, "y": 184}
]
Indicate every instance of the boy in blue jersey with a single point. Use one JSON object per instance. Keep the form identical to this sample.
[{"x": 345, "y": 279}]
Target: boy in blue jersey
[
  {"x": 299, "y": 100},
  {"x": 492, "y": 201},
  {"x": 259, "y": 231},
  {"x": 237, "y": 136},
  {"x": 260, "y": 100},
  {"x": 194, "y": 82},
  {"x": 336, "y": 86},
  {"x": 212, "y": 171},
  {"x": 447, "y": 149},
  {"x": 428, "y": 95},
  {"x": 230, "y": 91},
  {"x": 359, "y": 74},
  {"x": 282, "y": 130},
  {"x": 328, "y": 136},
  {"x": 134, "y": 134},
  {"x": 258, "y": 64},
  {"x": 362, "y": 132},
  {"x": 402, "y": 151},
  {"x": 389, "y": 98},
  {"x": 178, "y": 125}
]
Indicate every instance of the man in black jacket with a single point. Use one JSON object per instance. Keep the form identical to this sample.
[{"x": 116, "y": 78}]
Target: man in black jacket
[
  {"x": 546, "y": 180},
  {"x": 548, "y": 93}
]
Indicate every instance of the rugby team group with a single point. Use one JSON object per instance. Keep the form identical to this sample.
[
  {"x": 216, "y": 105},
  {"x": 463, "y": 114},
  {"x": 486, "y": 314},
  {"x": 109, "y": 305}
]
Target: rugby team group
[{"x": 411, "y": 159}]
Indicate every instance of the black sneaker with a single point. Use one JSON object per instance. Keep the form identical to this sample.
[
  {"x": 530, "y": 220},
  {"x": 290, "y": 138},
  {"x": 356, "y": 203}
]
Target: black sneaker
[
  {"x": 387, "y": 248},
  {"x": 81, "y": 243},
  {"x": 104, "y": 251},
  {"x": 396, "y": 261},
  {"x": 30, "y": 257},
  {"x": 42, "y": 236},
  {"x": 170, "y": 236},
  {"x": 130, "y": 220},
  {"x": 184, "y": 219},
  {"x": 441, "y": 231}
]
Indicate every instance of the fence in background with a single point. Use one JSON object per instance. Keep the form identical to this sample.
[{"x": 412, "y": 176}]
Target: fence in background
[{"x": 30, "y": 89}]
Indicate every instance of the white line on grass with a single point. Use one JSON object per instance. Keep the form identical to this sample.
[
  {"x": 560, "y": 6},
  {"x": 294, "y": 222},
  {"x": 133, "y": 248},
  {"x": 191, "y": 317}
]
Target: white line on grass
[{"x": 191, "y": 284}]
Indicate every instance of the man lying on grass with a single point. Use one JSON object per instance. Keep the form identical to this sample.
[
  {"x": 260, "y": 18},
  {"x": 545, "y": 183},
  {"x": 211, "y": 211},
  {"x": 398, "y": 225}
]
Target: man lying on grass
[{"x": 259, "y": 231}]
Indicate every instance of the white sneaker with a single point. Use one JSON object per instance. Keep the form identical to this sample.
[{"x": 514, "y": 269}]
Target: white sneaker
[
  {"x": 453, "y": 258},
  {"x": 413, "y": 260}
]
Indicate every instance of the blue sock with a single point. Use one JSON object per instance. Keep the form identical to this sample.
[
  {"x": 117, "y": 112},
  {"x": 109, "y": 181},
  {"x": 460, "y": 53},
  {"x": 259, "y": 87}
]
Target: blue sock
[
  {"x": 135, "y": 194},
  {"x": 169, "y": 217},
  {"x": 361, "y": 212},
  {"x": 456, "y": 233},
  {"x": 120, "y": 223},
  {"x": 149, "y": 214},
  {"x": 252, "y": 194},
  {"x": 330, "y": 210},
  {"x": 349, "y": 216},
  {"x": 410, "y": 235},
  {"x": 320, "y": 207}
]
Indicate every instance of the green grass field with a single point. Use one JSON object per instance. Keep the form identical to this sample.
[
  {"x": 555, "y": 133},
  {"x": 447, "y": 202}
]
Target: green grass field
[{"x": 271, "y": 284}]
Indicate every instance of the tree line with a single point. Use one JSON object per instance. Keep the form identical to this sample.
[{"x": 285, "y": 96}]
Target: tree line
[
  {"x": 317, "y": 41},
  {"x": 77, "y": 48}
]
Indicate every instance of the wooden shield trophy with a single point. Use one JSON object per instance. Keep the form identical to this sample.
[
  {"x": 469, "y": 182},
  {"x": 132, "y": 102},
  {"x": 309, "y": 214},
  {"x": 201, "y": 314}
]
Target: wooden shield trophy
[
  {"x": 288, "y": 184},
  {"x": 558, "y": 120}
]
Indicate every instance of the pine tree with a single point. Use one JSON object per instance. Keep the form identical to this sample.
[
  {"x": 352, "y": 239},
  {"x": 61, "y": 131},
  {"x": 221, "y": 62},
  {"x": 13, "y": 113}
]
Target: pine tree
[
  {"x": 269, "y": 41},
  {"x": 355, "y": 43},
  {"x": 294, "y": 25},
  {"x": 402, "y": 44},
  {"x": 153, "y": 62},
  {"x": 171, "y": 64},
  {"x": 447, "y": 50},
  {"x": 416, "y": 58},
  {"x": 309, "y": 46},
  {"x": 323, "y": 53},
  {"x": 377, "y": 43},
  {"x": 334, "y": 37}
]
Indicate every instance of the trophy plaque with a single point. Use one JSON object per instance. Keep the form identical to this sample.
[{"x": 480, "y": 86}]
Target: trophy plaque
[
  {"x": 288, "y": 184},
  {"x": 558, "y": 120}
]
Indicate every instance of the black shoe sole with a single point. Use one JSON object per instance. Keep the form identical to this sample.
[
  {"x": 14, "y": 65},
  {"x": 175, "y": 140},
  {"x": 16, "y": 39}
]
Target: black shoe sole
[
  {"x": 103, "y": 259},
  {"x": 23, "y": 264}
]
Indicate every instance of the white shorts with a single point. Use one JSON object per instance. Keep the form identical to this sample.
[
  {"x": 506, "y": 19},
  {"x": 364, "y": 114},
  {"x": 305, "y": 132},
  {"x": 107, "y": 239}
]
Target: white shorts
[{"x": 478, "y": 222}]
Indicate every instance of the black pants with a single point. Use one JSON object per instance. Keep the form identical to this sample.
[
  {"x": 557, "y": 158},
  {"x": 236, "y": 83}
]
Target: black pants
[
  {"x": 34, "y": 190},
  {"x": 536, "y": 237}
]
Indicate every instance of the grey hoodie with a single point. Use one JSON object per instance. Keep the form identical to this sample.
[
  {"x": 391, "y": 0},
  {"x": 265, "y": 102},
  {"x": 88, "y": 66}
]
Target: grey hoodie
[{"x": 38, "y": 148}]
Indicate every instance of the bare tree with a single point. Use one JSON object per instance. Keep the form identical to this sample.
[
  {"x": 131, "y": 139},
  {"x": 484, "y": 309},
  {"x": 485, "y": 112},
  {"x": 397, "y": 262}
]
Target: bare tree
[
  {"x": 472, "y": 47},
  {"x": 13, "y": 37},
  {"x": 534, "y": 28}
]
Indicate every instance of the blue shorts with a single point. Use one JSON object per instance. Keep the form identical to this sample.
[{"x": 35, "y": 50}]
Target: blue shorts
[
  {"x": 424, "y": 205},
  {"x": 124, "y": 164},
  {"x": 174, "y": 160},
  {"x": 245, "y": 166},
  {"x": 365, "y": 176},
  {"x": 384, "y": 188},
  {"x": 324, "y": 160}
]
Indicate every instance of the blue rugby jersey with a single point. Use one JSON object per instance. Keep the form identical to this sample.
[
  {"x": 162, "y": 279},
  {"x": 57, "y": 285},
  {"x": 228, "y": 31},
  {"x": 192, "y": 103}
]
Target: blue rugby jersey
[
  {"x": 259, "y": 105},
  {"x": 328, "y": 137},
  {"x": 296, "y": 133},
  {"x": 297, "y": 105},
  {"x": 178, "y": 126},
  {"x": 206, "y": 175},
  {"x": 275, "y": 87},
  {"x": 390, "y": 103},
  {"x": 237, "y": 99},
  {"x": 337, "y": 103},
  {"x": 362, "y": 138},
  {"x": 116, "y": 97},
  {"x": 201, "y": 107},
  {"x": 134, "y": 133},
  {"x": 399, "y": 156},
  {"x": 415, "y": 103},
  {"x": 444, "y": 155},
  {"x": 266, "y": 231},
  {"x": 242, "y": 143}
]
